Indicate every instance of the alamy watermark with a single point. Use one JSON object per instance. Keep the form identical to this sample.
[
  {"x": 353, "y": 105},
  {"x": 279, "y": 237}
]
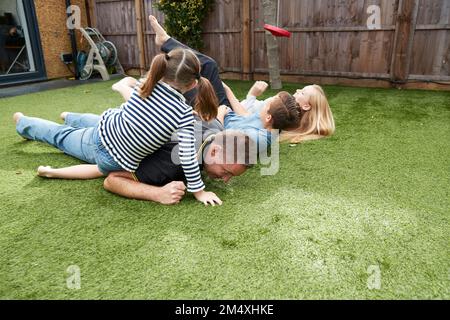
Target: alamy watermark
[
  {"x": 74, "y": 17},
  {"x": 374, "y": 279},
  {"x": 374, "y": 20},
  {"x": 73, "y": 281}
]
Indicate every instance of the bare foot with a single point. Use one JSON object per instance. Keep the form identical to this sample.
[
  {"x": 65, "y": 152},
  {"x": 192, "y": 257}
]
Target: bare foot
[
  {"x": 64, "y": 116},
  {"x": 17, "y": 116},
  {"x": 45, "y": 172},
  {"x": 116, "y": 87},
  {"x": 161, "y": 34}
]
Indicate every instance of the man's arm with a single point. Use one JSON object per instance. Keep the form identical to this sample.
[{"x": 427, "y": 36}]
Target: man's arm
[{"x": 123, "y": 184}]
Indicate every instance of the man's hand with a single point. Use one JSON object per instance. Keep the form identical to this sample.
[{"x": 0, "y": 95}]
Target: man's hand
[
  {"x": 208, "y": 198},
  {"x": 258, "y": 88},
  {"x": 172, "y": 193}
]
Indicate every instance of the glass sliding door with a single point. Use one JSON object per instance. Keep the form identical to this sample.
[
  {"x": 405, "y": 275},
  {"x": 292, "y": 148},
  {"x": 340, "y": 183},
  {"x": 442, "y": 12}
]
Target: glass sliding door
[{"x": 20, "y": 50}]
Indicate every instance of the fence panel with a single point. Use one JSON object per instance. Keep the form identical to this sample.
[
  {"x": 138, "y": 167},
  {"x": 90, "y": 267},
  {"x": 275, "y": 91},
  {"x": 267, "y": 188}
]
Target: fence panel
[
  {"x": 330, "y": 38},
  {"x": 116, "y": 19},
  {"x": 223, "y": 34},
  {"x": 431, "y": 47}
]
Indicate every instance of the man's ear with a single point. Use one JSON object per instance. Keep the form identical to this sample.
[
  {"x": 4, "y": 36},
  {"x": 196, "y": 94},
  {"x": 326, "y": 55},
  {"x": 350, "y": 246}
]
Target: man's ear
[{"x": 215, "y": 150}]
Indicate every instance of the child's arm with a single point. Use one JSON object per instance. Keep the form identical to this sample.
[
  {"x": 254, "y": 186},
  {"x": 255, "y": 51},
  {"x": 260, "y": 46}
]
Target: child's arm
[
  {"x": 191, "y": 168},
  {"x": 222, "y": 113},
  {"x": 235, "y": 103},
  {"x": 258, "y": 89},
  {"x": 81, "y": 172},
  {"x": 125, "y": 87}
]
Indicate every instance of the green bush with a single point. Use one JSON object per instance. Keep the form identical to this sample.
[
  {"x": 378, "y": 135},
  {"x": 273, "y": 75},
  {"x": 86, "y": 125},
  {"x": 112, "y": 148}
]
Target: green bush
[{"x": 184, "y": 19}]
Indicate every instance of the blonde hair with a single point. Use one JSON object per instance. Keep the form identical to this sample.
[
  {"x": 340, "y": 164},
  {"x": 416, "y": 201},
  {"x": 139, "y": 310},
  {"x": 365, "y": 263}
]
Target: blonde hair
[{"x": 315, "y": 124}]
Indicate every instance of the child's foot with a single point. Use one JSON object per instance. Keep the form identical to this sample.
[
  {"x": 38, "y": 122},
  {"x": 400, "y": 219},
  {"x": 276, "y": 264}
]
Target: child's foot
[
  {"x": 17, "y": 116},
  {"x": 64, "y": 116},
  {"x": 161, "y": 34},
  {"x": 45, "y": 172},
  {"x": 115, "y": 87}
]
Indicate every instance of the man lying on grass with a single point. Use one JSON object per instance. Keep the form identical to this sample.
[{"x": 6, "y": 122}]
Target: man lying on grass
[{"x": 222, "y": 155}]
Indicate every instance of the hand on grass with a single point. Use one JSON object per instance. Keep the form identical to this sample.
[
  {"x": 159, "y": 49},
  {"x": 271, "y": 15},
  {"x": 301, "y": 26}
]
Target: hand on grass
[
  {"x": 208, "y": 198},
  {"x": 172, "y": 193}
]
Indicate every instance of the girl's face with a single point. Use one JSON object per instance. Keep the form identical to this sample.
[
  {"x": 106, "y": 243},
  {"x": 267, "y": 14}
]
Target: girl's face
[{"x": 302, "y": 97}]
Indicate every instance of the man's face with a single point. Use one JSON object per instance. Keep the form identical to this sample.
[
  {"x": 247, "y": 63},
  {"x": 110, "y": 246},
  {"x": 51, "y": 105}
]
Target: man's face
[{"x": 224, "y": 172}]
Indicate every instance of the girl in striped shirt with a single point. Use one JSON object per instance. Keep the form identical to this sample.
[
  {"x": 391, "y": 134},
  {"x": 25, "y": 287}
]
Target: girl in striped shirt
[{"x": 155, "y": 111}]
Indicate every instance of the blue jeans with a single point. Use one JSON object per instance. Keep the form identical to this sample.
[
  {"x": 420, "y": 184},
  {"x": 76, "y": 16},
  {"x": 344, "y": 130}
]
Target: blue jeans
[{"x": 78, "y": 137}]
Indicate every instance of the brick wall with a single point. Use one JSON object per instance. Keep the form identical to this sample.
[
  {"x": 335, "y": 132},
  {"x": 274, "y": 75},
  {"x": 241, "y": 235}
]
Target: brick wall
[{"x": 55, "y": 39}]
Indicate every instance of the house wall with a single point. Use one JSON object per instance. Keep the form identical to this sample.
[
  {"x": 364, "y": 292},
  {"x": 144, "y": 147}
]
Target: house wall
[{"x": 55, "y": 38}]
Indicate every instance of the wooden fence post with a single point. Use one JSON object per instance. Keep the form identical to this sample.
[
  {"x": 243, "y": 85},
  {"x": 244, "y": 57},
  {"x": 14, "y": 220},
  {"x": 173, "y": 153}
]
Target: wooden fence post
[
  {"x": 90, "y": 13},
  {"x": 403, "y": 42},
  {"x": 140, "y": 20},
  {"x": 246, "y": 41}
]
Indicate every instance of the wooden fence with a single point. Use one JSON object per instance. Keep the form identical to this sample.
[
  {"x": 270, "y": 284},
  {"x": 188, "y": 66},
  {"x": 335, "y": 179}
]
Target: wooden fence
[{"x": 330, "y": 43}]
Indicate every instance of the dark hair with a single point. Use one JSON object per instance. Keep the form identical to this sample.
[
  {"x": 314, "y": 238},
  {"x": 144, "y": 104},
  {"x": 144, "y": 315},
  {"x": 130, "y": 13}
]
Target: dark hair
[
  {"x": 285, "y": 112},
  {"x": 182, "y": 67}
]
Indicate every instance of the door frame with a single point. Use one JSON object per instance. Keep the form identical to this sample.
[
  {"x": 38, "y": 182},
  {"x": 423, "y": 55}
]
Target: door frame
[{"x": 35, "y": 40}]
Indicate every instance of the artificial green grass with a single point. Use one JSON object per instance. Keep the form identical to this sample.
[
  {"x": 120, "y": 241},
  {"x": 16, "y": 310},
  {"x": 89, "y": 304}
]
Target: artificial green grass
[{"x": 375, "y": 194}]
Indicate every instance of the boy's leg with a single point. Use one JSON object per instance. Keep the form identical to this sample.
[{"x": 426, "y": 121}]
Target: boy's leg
[
  {"x": 205, "y": 61},
  {"x": 211, "y": 72},
  {"x": 77, "y": 142},
  {"x": 173, "y": 44},
  {"x": 81, "y": 120},
  {"x": 209, "y": 68}
]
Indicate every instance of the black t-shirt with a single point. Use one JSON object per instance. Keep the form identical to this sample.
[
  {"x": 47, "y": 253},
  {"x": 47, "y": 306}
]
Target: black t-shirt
[{"x": 158, "y": 169}]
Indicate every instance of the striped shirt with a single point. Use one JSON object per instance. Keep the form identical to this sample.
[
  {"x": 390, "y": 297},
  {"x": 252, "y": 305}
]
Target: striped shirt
[{"x": 142, "y": 126}]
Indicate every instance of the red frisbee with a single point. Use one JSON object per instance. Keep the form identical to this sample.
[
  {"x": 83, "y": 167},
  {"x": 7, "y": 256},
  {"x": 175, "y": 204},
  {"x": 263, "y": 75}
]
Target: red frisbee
[{"x": 277, "y": 32}]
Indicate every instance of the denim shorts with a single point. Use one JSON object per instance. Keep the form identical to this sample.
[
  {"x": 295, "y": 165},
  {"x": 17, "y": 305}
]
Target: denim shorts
[{"x": 105, "y": 162}]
